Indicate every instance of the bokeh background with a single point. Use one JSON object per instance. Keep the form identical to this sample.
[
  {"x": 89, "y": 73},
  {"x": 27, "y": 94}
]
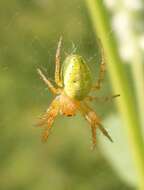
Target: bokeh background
[{"x": 29, "y": 33}]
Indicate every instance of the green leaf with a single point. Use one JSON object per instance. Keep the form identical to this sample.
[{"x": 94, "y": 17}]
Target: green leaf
[{"x": 118, "y": 153}]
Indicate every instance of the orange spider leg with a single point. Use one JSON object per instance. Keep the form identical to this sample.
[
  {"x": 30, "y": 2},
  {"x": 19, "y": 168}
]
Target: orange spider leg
[
  {"x": 102, "y": 99},
  {"x": 57, "y": 67},
  {"x": 94, "y": 121},
  {"x": 47, "y": 82},
  {"x": 87, "y": 113},
  {"x": 48, "y": 118}
]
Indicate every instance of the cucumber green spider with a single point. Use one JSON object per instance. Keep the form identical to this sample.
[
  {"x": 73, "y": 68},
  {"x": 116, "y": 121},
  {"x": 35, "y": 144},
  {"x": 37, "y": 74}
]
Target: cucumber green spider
[{"x": 73, "y": 84}]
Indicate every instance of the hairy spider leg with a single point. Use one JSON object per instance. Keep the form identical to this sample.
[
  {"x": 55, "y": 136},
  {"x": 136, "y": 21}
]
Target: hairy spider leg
[
  {"x": 104, "y": 131},
  {"x": 102, "y": 99},
  {"x": 47, "y": 82},
  {"x": 94, "y": 121},
  {"x": 93, "y": 129},
  {"x": 101, "y": 71},
  {"x": 48, "y": 118},
  {"x": 91, "y": 117},
  {"x": 57, "y": 66}
]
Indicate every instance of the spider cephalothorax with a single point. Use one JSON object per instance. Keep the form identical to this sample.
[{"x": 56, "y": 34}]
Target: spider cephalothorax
[{"x": 74, "y": 83}]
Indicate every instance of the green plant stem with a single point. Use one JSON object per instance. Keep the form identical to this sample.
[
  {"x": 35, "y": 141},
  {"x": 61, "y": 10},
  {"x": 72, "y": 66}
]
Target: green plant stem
[
  {"x": 138, "y": 76},
  {"x": 120, "y": 84}
]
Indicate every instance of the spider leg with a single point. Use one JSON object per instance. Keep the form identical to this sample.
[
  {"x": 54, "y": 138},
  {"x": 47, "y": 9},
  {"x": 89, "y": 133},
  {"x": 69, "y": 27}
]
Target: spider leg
[
  {"x": 93, "y": 130},
  {"x": 47, "y": 82},
  {"x": 87, "y": 113},
  {"x": 101, "y": 71},
  {"x": 57, "y": 67},
  {"x": 104, "y": 131},
  {"x": 48, "y": 118},
  {"x": 102, "y": 99},
  {"x": 94, "y": 121}
]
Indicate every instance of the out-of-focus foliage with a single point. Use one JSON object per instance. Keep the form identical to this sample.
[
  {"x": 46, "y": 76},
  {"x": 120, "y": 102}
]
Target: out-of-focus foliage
[
  {"x": 127, "y": 25},
  {"x": 119, "y": 154},
  {"x": 28, "y": 38}
]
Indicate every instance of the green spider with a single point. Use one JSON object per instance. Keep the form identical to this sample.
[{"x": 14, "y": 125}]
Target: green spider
[{"x": 74, "y": 83}]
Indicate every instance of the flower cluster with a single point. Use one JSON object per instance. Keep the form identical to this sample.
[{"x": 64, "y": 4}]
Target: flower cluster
[{"x": 127, "y": 22}]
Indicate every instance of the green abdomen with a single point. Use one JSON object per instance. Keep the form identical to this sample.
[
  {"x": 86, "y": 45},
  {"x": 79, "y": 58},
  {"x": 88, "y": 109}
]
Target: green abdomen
[{"x": 76, "y": 77}]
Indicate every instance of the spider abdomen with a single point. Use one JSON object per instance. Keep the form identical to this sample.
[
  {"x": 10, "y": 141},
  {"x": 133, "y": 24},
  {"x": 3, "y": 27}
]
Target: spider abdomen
[{"x": 76, "y": 75}]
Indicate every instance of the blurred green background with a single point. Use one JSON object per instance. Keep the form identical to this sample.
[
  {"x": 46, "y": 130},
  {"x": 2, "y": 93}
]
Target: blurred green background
[{"x": 29, "y": 33}]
